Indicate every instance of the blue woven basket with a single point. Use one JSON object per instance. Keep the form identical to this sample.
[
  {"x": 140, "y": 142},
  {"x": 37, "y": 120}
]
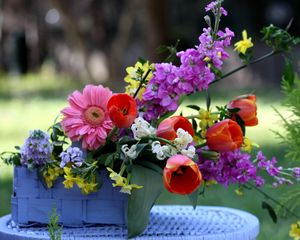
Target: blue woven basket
[{"x": 32, "y": 202}]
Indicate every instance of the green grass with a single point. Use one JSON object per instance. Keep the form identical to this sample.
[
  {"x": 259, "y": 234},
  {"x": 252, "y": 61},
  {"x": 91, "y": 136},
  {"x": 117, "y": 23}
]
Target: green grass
[{"x": 23, "y": 109}]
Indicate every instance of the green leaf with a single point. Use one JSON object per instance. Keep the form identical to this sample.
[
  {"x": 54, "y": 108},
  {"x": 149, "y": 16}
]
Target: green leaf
[
  {"x": 195, "y": 125},
  {"x": 142, "y": 60},
  {"x": 141, "y": 200},
  {"x": 193, "y": 197},
  {"x": 141, "y": 147},
  {"x": 195, "y": 107},
  {"x": 270, "y": 210},
  {"x": 241, "y": 123},
  {"x": 233, "y": 110}
]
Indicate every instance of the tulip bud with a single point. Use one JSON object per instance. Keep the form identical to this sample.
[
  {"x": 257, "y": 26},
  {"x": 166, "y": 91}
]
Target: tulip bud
[
  {"x": 167, "y": 128},
  {"x": 247, "y": 109},
  {"x": 209, "y": 155},
  {"x": 181, "y": 175},
  {"x": 122, "y": 110},
  {"x": 224, "y": 136}
]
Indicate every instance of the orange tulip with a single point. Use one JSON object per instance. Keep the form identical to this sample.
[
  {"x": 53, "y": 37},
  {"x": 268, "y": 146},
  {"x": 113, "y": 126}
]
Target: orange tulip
[
  {"x": 224, "y": 136},
  {"x": 167, "y": 128},
  {"x": 122, "y": 110},
  {"x": 181, "y": 175},
  {"x": 248, "y": 109}
]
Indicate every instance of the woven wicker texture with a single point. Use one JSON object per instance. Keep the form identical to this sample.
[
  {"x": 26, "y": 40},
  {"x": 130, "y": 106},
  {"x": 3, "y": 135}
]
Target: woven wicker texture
[{"x": 166, "y": 222}]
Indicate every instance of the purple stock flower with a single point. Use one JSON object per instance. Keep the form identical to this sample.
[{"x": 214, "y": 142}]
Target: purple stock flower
[
  {"x": 194, "y": 73},
  {"x": 37, "y": 149},
  {"x": 213, "y": 6},
  {"x": 296, "y": 172},
  {"x": 73, "y": 155},
  {"x": 232, "y": 167}
]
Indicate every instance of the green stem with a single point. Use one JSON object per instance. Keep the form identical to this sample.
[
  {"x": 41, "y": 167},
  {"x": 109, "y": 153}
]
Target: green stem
[
  {"x": 273, "y": 200},
  {"x": 245, "y": 65},
  {"x": 159, "y": 139},
  {"x": 192, "y": 116},
  {"x": 142, "y": 82},
  {"x": 110, "y": 135}
]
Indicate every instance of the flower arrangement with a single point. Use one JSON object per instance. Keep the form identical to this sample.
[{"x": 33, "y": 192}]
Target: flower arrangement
[{"x": 142, "y": 143}]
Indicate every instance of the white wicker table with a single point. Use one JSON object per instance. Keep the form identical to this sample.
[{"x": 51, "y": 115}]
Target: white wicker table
[{"x": 166, "y": 222}]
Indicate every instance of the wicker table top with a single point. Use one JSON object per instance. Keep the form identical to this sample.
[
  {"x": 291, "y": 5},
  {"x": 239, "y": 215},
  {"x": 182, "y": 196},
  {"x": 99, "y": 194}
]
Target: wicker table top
[{"x": 166, "y": 222}]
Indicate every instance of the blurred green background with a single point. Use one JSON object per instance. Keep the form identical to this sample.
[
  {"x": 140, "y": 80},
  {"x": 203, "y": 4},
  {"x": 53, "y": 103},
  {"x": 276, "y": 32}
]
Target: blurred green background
[{"x": 50, "y": 48}]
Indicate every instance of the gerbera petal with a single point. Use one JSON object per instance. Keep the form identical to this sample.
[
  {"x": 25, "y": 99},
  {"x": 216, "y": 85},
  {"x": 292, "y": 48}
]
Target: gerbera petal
[
  {"x": 71, "y": 112},
  {"x": 77, "y": 101}
]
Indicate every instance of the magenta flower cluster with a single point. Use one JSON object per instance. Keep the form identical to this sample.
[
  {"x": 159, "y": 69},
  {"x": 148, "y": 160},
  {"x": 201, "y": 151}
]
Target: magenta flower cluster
[
  {"x": 195, "y": 73},
  {"x": 237, "y": 167}
]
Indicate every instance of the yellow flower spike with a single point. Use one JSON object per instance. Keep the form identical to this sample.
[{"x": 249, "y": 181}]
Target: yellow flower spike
[
  {"x": 295, "y": 231},
  {"x": 243, "y": 45},
  {"x": 248, "y": 145},
  {"x": 132, "y": 78},
  {"x": 207, "y": 119}
]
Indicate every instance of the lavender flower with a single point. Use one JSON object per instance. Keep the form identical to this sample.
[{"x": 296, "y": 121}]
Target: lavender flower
[
  {"x": 73, "y": 155},
  {"x": 37, "y": 149}
]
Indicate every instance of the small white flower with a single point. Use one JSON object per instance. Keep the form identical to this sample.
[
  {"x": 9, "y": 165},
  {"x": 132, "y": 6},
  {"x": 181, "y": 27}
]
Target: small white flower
[
  {"x": 141, "y": 128},
  {"x": 129, "y": 152},
  {"x": 183, "y": 139},
  {"x": 162, "y": 151},
  {"x": 190, "y": 152}
]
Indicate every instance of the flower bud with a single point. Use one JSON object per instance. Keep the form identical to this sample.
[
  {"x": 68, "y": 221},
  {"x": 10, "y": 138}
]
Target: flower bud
[
  {"x": 224, "y": 136},
  {"x": 247, "y": 109},
  {"x": 167, "y": 128}
]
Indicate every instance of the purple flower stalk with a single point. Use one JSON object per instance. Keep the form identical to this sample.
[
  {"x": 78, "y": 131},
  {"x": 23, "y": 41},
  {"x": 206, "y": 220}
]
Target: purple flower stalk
[
  {"x": 195, "y": 72},
  {"x": 72, "y": 155},
  {"x": 37, "y": 149}
]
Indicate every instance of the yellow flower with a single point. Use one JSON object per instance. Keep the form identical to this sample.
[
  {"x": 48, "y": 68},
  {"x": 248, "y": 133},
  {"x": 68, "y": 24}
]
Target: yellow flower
[
  {"x": 207, "y": 119},
  {"x": 248, "y": 145},
  {"x": 210, "y": 182},
  {"x": 89, "y": 187},
  {"x": 69, "y": 178},
  {"x": 295, "y": 231},
  {"x": 51, "y": 174},
  {"x": 239, "y": 192},
  {"x": 243, "y": 45},
  {"x": 133, "y": 80},
  {"x": 127, "y": 188},
  {"x": 120, "y": 181}
]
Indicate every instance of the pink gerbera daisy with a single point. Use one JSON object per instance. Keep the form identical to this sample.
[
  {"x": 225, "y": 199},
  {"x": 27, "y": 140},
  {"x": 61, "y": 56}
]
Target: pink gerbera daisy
[{"x": 86, "y": 118}]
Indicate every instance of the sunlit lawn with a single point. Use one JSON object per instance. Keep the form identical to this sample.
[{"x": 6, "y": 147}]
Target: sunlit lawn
[{"x": 19, "y": 116}]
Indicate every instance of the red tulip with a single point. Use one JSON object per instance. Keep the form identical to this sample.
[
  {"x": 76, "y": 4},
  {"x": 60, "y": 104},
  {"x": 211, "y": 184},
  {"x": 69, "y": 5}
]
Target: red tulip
[
  {"x": 248, "y": 109},
  {"x": 181, "y": 175},
  {"x": 167, "y": 128},
  {"x": 122, "y": 110},
  {"x": 224, "y": 136}
]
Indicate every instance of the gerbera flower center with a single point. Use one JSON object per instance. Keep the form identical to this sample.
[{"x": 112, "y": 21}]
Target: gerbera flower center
[{"x": 94, "y": 115}]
